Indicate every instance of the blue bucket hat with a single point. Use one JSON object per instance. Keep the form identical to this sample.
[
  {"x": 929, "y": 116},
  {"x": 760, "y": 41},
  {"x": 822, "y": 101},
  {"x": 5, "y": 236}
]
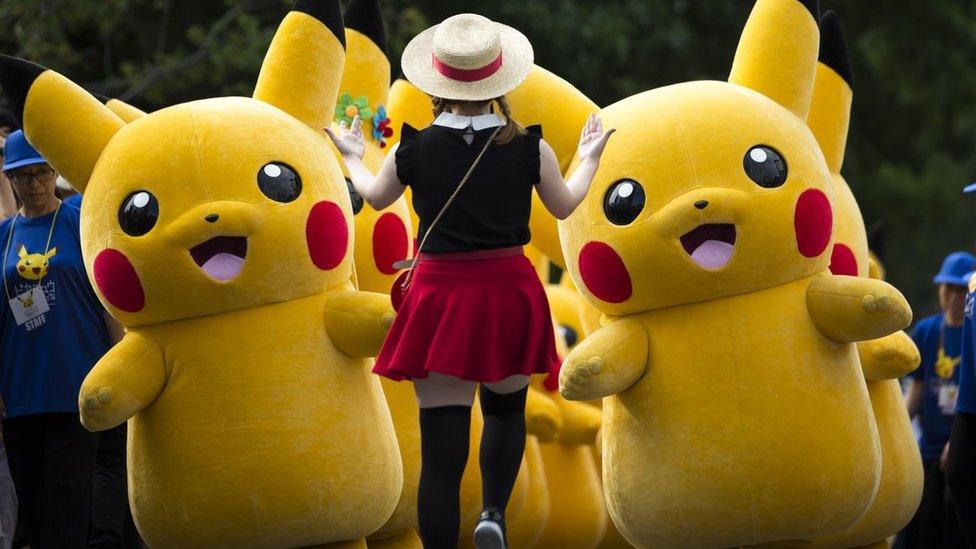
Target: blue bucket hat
[
  {"x": 955, "y": 269},
  {"x": 18, "y": 153}
]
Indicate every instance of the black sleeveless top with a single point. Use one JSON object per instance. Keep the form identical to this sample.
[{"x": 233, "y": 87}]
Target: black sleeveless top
[{"x": 492, "y": 210}]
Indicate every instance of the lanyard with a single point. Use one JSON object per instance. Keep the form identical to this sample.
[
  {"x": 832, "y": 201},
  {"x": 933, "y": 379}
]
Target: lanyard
[{"x": 10, "y": 237}]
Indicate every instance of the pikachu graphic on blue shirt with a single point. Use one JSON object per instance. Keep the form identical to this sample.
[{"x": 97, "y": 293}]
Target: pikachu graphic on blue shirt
[{"x": 219, "y": 233}]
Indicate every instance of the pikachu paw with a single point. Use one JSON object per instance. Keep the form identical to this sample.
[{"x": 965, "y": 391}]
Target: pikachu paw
[
  {"x": 577, "y": 381},
  {"x": 544, "y": 426},
  {"x": 878, "y": 304},
  {"x": 95, "y": 408}
]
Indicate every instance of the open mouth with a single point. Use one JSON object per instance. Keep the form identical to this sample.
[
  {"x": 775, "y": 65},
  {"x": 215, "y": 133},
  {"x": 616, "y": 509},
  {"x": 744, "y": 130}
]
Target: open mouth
[
  {"x": 711, "y": 245},
  {"x": 221, "y": 257}
]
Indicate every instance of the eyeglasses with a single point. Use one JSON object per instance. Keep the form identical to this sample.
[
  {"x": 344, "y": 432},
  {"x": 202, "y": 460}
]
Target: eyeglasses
[{"x": 23, "y": 179}]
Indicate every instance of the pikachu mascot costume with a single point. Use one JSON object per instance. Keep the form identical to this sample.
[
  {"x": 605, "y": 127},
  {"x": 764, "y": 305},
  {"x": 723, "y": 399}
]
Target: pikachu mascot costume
[
  {"x": 218, "y": 232},
  {"x": 883, "y": 360},
  {"x": 738, "y": 413}
]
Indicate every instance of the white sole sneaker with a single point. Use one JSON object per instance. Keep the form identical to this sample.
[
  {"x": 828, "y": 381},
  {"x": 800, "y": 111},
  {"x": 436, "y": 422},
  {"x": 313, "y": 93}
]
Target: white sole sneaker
[{"x": 488, "y": 535}]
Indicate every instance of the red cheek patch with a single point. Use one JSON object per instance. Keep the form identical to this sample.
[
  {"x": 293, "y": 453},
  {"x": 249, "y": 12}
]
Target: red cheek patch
[
  {"x": 327, "y": 235},
  {"x": 604, "y": 273},
  {"x": 842, "y": 261},
  {"x": 813, "y": 222},
  {"x": 390, "y": 242},
  {"x": 117, "y": 280}
]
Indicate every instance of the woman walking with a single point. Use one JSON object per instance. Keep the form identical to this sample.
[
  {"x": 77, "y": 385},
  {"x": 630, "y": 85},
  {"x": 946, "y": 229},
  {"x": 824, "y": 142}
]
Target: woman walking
[{"x": 473, "y": 310}]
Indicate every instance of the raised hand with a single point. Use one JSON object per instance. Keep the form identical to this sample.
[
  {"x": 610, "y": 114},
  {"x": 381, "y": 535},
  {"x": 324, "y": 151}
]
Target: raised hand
[
  {"x": 350, "y": 141},
  {"x": 593, "y": 139}
]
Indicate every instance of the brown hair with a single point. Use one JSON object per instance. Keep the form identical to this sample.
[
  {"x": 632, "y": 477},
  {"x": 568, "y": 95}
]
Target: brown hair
[{"x": 509, "y": 131}]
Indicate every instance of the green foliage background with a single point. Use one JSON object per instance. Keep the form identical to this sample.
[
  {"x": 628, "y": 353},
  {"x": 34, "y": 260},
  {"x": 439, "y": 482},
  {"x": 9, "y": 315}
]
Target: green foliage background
[{"x": 911, "y": 148}]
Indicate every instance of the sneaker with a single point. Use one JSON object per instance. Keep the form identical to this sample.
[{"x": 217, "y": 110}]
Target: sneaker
[{"x": 490, "y": 530}]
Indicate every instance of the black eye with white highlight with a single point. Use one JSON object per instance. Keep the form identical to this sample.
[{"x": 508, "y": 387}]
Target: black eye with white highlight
[
  {"x": 279, "y": 182},
  {"x": 624, "y": 201},
  {"x": 765, "y": 166},
  {"x": 138, "y": 213}
]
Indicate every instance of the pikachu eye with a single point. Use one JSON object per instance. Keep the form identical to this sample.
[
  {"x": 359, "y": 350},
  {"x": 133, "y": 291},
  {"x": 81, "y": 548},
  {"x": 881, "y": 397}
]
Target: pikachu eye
[
  {"x": 624, "y": 201},
  {"x": 569, "y": 335},
  {"x": 355, "y": 197},
  {"x": 279, "y": 182},
  {"x": 766, "y": 166},
  {"x": 138, "y": 213}
]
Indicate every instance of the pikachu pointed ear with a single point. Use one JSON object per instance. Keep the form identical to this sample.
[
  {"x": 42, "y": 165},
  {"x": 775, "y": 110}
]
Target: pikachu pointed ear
[
  {"x": 547, "y": 100},
  {"x": 51, "y": 253},
  {"x": 367, "y": 70},
  {"x": 60, "y": 119},
  {"x": 830, "y": 111},
  {"x": 303, "y": 66},
  {"x": 123, "y": 110},
  {"x": 22, "y": 252},
  {"x": 777, "y": 53}
]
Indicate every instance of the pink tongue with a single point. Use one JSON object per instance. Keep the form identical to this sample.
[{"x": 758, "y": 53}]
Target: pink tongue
[
  {"x": 713, "y": 254},
  {"x": 223, "y": 266}
]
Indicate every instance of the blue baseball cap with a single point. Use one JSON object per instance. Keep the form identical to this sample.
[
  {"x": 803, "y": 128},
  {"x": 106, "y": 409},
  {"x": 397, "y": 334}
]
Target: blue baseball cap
[
  {"x": 955, "y": 269},
  {"x": 18, "y": 153}
]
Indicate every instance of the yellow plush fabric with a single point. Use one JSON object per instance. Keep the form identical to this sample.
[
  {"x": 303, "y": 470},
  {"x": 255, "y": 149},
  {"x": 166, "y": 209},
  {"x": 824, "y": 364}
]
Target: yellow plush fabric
[
  {"x": 293, "y": 74},
  {"x": 883, "y": 360},
  {"x": 737, "y": 412},
  {"x": 778, "y": 52},
  {"x": 68, "y": 126},
  {"x": 123, "y": 110},
  {"x": 254, "y": 420}
]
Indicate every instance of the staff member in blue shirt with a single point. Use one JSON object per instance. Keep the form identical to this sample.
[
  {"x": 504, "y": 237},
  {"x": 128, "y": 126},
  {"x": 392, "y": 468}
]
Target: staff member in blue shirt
[
  {"x": 53, "y": 331},
  {"x": 961, "y": 462},
  {"x": 932, "y": 397}
]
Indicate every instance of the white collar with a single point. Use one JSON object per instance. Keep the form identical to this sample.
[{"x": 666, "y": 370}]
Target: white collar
[{"x": 460, "y": 122}]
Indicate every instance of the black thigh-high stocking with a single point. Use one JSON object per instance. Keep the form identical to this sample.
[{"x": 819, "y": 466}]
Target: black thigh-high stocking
[
  {"x": 961, "y": 473},
  {"x": 502, "y": 444},
  {"x": 444, "y": 440}
]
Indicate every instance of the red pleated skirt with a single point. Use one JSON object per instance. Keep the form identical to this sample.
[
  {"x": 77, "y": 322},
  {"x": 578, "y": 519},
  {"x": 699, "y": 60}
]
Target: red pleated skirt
[{"x": 478, "y": 316}]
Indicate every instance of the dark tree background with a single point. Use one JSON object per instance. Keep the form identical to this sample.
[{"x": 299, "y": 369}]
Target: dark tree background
[{"x": 911, "y": 148}]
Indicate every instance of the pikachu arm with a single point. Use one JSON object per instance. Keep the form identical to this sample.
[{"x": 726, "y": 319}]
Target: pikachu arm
[
  {"x": 126, "y": 379},
  {"x": 357, "y": 322},
  {"x": 581, "y": 422},
  {"x": 607, "y": 362},
  {"x": 890, "y": 357},
  {"x": 847, "y": 309},
  {"x": 542, "y": 417}
]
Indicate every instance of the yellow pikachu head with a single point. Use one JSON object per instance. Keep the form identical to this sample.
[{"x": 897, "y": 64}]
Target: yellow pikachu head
[
  {"x": 829, "y": 119},
  {"x": 209, "y": 206},
  {"x": 34, "y": 266},
  {"x": 385, "y": 237},
  {"x": 710, "y": 189}
]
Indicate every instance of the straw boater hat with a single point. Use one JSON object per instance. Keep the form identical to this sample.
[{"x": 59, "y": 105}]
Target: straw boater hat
[{"x": 468, "y": 57}]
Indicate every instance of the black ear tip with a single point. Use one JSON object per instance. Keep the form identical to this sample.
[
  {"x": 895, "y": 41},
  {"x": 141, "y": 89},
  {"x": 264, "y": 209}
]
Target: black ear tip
[
  {"x": 813, "y": 6},
  {"x": 328, "y": 12},
  {"x": 833, "y": 47},
  {"x": 16, "y": 78},
  {"x": 366, "y": 17}
]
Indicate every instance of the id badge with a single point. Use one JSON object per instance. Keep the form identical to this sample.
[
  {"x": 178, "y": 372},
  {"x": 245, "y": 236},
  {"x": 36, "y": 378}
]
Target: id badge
[
  {"x": 947, "y": 398},
  {"x": 29, "y": 305}
]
